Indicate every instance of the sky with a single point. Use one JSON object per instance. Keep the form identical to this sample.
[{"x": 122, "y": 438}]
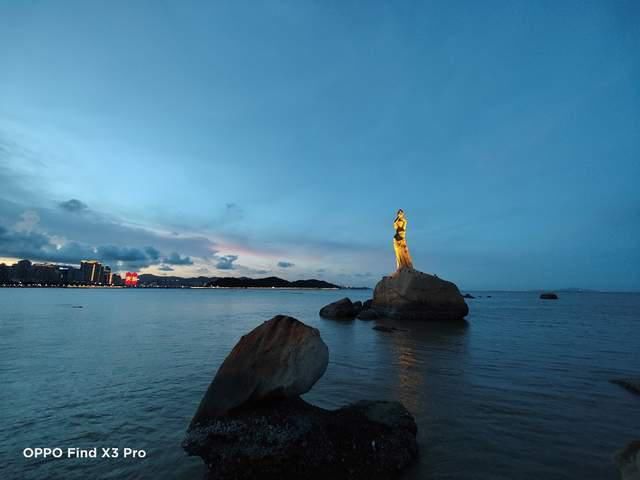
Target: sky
[{"x": 280, "y": 138}]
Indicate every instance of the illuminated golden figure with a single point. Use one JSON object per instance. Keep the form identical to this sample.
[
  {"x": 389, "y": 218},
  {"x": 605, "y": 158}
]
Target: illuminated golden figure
[{"x": 403, "y": 259}]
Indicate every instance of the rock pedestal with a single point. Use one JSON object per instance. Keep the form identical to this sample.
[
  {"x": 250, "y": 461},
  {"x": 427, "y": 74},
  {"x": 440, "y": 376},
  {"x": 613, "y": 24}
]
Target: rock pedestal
[{"x": 414, "y": 295}]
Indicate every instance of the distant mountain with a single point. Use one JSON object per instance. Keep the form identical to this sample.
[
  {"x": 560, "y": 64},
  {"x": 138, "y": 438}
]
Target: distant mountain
[{"x": 150, "y": 280}]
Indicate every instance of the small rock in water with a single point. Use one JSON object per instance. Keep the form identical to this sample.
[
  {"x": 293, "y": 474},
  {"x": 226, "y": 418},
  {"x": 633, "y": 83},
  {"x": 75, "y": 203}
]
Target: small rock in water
[
  {"x": 631, "y": 384},
  {"x": 549, "y": 296},
  {"x": 384, "y": 328},
  {"x": 76, "y": 306},
  {"x": 468, "y": 295},
  {"x": 342, "y": 309}
]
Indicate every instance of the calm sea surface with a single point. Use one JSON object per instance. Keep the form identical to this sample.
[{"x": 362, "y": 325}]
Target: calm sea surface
[{"x": 520, "y": 392}]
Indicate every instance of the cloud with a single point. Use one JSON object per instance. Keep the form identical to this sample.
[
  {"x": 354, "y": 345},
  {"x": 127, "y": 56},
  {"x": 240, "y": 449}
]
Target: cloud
[
  {"x": 20, "y": 244},
  {"x": 40, "y": 246},
  {"x": 122, "y": 254},
  {"x": 28, "y": 221},
  {"x": 176, "y": 259},
  {"x": 165, "y": 268},
  {"x": 234, "y": 209},
  {"x": 284, "y": 264},
  {"x": 74, "y": 205},
  {"x": 226, "y": 262}
]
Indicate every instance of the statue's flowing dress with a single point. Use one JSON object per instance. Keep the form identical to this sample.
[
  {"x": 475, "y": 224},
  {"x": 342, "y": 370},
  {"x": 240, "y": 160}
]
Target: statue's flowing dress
[{"x": 403, "y": 259}]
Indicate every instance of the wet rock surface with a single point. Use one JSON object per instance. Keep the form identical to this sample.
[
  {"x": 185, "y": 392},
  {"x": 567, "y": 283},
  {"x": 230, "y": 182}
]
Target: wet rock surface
[
  {"x": 292, "y": 439},
  {"x": 281, "y": 358},
  {"x": 342, "y": 309}
]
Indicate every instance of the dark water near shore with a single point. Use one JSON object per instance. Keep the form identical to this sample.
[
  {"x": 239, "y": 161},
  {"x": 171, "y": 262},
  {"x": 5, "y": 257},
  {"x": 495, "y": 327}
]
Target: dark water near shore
[{"x": 520, "y": 392}]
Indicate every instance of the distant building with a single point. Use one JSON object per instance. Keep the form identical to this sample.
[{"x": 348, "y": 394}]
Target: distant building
[
  {"x": 116, "y": 280},
  {"x": 5, "y": 273},
  {"x": 70, "y": 275},
  {"x": 22, "y": 271},
  {"x": 45, "y": 273},
  {"x": 107, "y": 276},
  {"x": 91, "y": 271}
]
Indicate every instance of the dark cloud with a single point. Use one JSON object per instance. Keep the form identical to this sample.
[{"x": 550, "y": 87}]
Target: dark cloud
[
  {"x": 152, "y": 253},
  {"x": 226, "y": 262},
  {"x": 20, "y": 244},
  {"x": 176, "y": 259},
  {"x": 284, "y": 264},
  {"x": 165, "y": 268},
  {"x": 122, "y": 254},
  {"x": 39, "y": 246},
  {"x": 73, "y": 205}
]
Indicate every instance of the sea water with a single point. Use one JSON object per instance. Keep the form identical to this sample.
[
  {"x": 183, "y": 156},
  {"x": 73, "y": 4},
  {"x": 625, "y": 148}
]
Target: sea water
[{"x": 520, "y": 391}]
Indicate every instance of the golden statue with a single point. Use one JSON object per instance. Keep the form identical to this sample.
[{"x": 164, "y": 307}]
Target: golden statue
[{"x": 403, "y": 259}]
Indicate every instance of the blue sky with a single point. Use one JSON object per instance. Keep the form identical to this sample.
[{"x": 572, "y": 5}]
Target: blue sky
[{"x": 259, "y": 138}]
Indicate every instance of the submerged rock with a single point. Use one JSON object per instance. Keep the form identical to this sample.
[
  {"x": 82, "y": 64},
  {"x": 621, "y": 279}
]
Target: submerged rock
[
  {"x": 385, "y": 328},
  {"x": 549, "y": 296},
  {"x": 631, "y": 384},
  {"x": 411, "y": 294},
  {"x": 628, "y": 461},
  {"x": 368, "y": 314},
  {"x": 282, "y": 358},
  {"x": 292, "y": 439},
  {"x": 341, "y": 309}
]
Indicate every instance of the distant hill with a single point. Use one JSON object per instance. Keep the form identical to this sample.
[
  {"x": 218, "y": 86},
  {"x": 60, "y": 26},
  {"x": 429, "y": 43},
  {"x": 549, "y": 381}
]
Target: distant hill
[{"x": 151, "y": 280}]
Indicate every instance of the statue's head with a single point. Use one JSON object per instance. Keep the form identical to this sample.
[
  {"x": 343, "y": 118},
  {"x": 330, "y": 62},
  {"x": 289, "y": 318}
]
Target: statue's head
[{"x": 401, "y": 213}]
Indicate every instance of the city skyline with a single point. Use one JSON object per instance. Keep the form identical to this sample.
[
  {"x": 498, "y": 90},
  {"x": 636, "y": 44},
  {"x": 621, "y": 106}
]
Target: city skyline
[{"x": 280, "y": 139}]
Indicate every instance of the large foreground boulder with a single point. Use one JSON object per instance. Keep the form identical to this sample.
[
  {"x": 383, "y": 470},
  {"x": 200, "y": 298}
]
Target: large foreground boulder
[
  {"x": 281, "y": 358},
  {"x": 291, "y": 439},
  {"x": 414, "y": 295},
  {"x": 628, "y": 461}
]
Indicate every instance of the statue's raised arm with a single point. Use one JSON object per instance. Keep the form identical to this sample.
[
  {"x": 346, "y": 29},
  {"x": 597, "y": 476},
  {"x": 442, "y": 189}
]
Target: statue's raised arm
[{"x": 403, "y": 259}]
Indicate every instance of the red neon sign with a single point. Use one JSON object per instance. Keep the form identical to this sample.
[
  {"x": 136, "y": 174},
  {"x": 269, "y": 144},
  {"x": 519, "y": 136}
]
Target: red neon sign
[{"x": 131, "y": 279}]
